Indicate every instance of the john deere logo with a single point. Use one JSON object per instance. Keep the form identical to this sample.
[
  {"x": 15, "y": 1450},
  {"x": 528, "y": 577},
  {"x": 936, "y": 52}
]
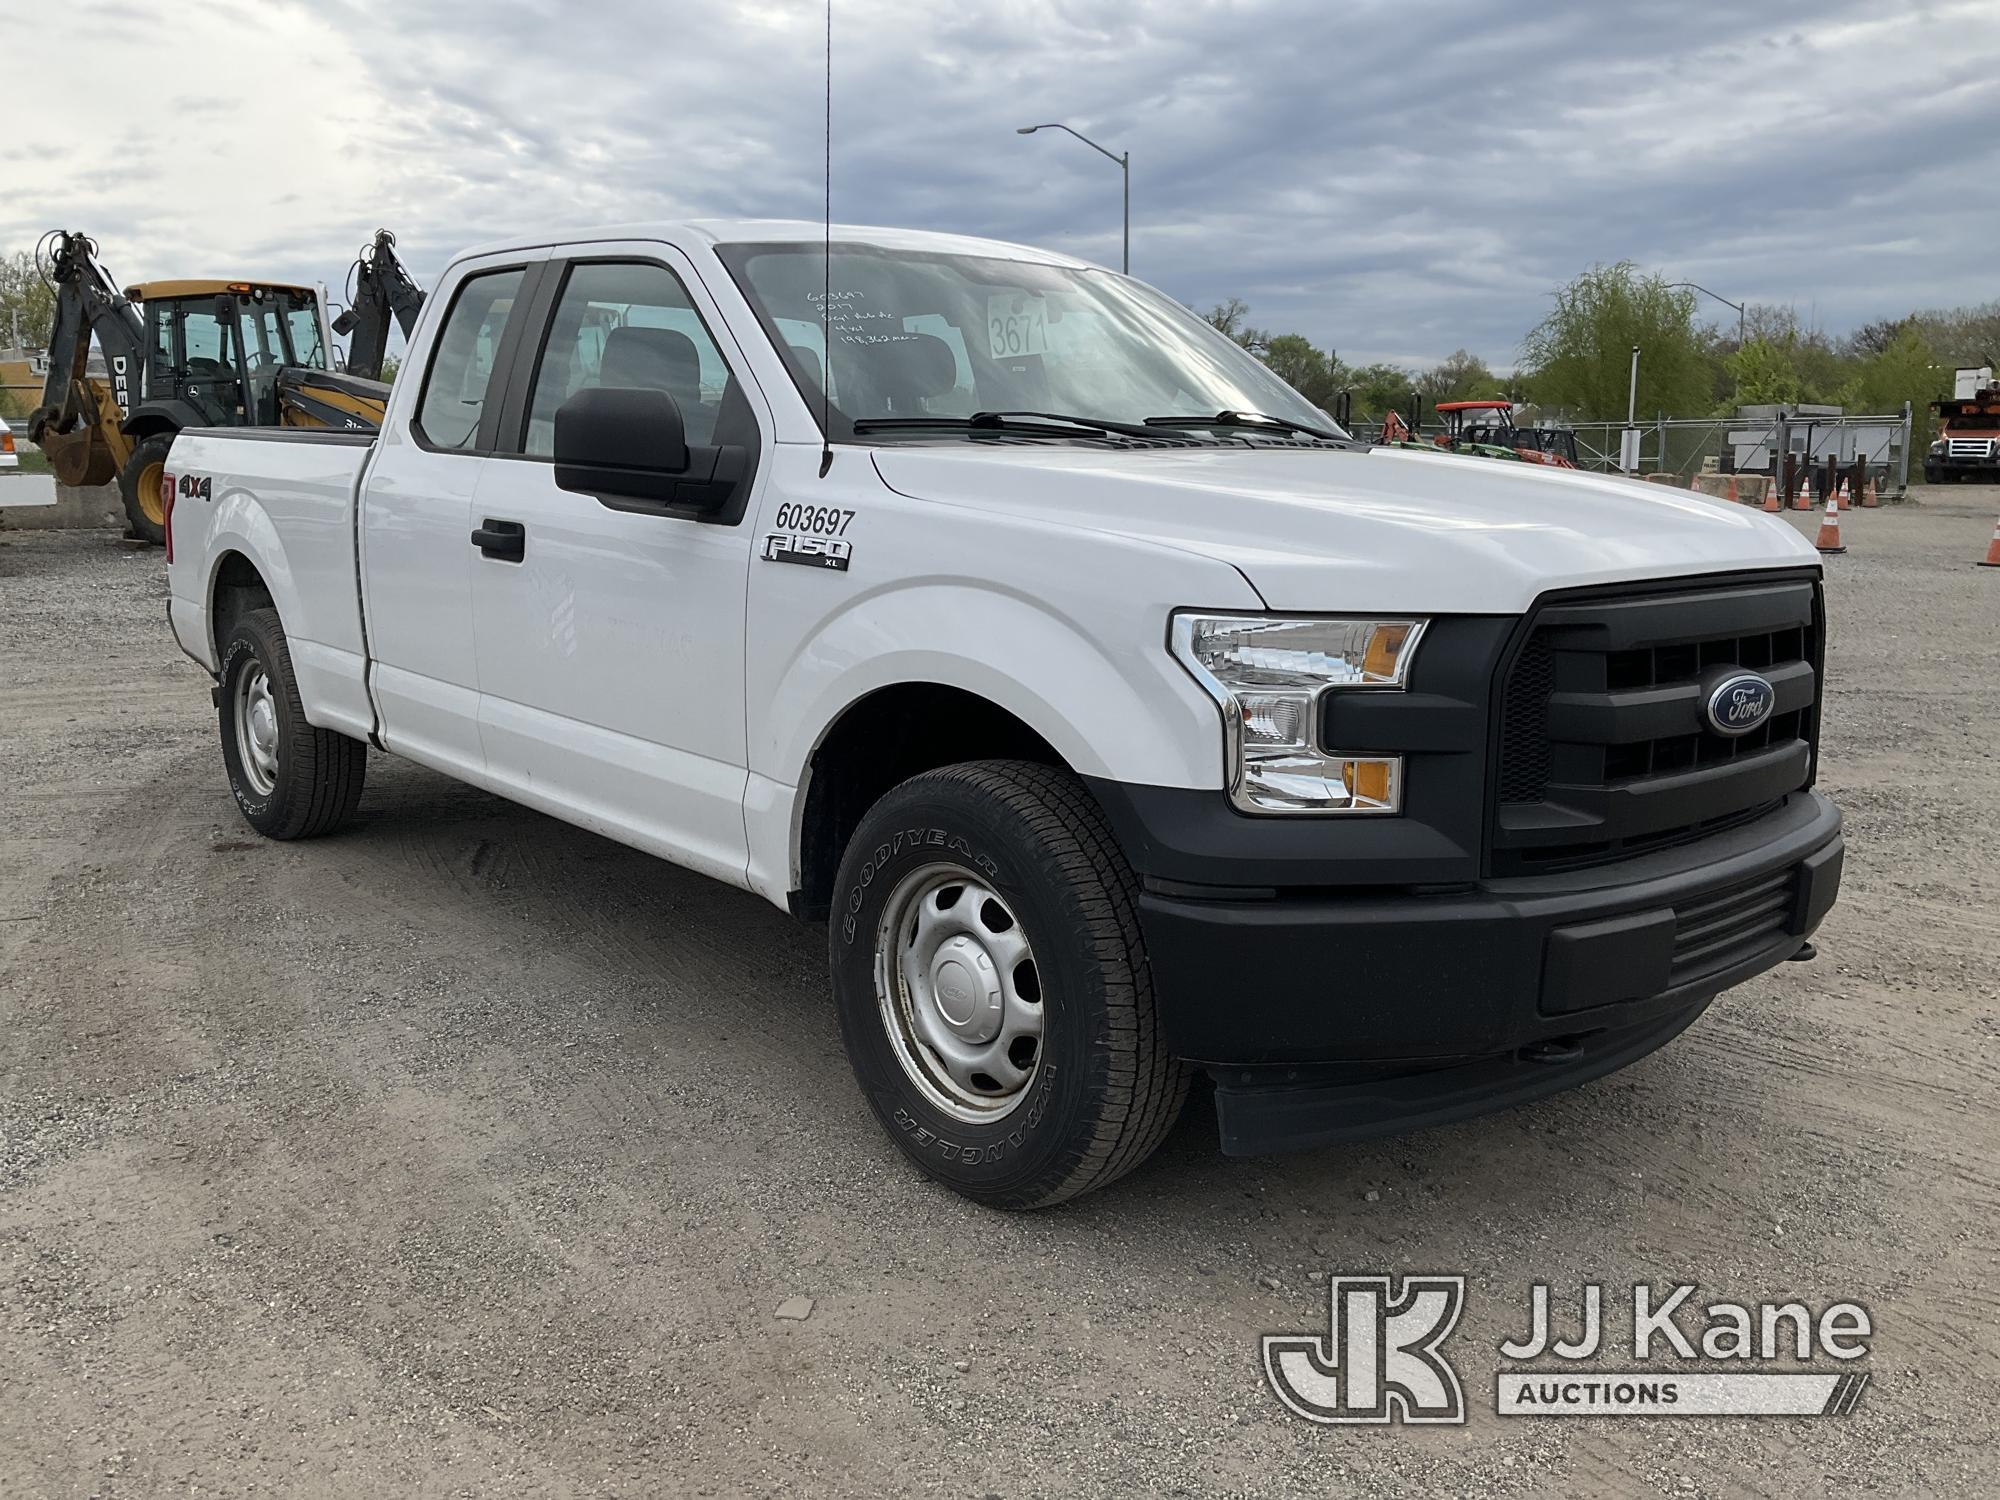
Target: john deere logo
[{"x": 1739, "y": 703}]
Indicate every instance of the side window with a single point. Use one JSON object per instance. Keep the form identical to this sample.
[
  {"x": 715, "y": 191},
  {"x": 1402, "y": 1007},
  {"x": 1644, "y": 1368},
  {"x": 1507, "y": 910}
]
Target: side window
[
  {"x": 304, "y": 325},
  {"x": 455, "y": 388},
  {"x": 621, "y": 323},
  {"x": 201, "y": 335}
]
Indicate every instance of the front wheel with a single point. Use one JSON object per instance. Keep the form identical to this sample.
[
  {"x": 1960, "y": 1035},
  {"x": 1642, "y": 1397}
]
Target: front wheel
[
  {"x": 291, "y": 781},
  {"x": 993, "y": 988},
  {"x": 139, "y": 488}
]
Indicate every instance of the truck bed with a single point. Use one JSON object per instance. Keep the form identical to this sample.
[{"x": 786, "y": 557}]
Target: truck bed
[{"x": 279, "y": 501}]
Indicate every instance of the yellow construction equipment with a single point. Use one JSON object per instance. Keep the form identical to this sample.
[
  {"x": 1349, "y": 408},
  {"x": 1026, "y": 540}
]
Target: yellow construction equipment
[{"x": 178, "y": 354}]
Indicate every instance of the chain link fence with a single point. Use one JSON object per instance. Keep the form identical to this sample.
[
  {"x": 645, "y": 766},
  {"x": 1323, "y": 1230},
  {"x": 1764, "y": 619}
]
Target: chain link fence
[{"x": 1684, "y": 448}]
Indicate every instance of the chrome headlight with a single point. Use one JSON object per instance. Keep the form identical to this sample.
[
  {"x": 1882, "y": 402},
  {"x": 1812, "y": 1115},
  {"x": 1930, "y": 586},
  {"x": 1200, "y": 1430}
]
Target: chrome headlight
[{"x": 1268, "y": 673}]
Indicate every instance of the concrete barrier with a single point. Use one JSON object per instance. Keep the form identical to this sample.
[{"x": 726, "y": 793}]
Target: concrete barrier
[
  {"x": 35, "y": 502},
  {"x": 1749, "y": 488}
]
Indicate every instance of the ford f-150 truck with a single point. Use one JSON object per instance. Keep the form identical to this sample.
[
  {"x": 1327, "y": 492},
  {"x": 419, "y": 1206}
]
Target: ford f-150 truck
[{"x": 1120, "y": 716}]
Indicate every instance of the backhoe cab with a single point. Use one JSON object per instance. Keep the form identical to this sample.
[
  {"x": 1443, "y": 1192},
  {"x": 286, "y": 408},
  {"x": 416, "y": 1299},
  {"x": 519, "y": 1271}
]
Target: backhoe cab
[{"x": 178, "y": 354}]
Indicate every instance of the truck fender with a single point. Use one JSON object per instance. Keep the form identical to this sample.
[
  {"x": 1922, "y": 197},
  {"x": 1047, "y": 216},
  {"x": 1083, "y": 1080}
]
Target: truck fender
[
  {"x": 1133, "y": 716},
  {"x": 240, "y": 525}
]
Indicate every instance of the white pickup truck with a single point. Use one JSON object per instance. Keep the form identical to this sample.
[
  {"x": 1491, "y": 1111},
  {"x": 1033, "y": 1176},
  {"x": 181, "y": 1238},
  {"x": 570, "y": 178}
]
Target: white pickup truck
[{"x": 1120, "y": 716}]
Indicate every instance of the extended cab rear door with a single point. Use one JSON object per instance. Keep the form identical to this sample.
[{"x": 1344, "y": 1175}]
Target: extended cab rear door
[
  {"x": 610, "y": 637},
  {"x": 416, "y": 522}
]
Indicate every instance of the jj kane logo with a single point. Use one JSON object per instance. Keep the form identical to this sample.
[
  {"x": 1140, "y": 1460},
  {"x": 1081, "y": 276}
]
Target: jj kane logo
[
  {"x": 1379, "y": 1361},
  {"x": 1382, "y": 1357}
]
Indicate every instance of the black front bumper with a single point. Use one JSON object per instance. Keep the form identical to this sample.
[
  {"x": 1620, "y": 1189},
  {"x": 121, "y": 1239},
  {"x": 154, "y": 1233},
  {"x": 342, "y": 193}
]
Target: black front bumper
[{"x": 1334, "y": 1015}]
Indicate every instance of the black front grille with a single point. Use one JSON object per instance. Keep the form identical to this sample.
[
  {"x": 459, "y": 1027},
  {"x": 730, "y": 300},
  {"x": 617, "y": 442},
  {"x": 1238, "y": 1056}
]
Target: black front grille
[
  {"x": 1524, "y": 724},
  {"x": 1602, "y": 747},
  {"x": 1723, "y": 929}
]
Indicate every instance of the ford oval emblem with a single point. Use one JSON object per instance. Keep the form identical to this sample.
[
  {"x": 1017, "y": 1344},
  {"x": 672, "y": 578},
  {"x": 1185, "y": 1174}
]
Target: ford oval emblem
[{"x": 1739, "y": 703}]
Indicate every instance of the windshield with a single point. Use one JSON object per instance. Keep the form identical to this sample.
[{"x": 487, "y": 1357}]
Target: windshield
[
  {"x": 924, "y": 334},
  {"x": 301, "y": 311}
]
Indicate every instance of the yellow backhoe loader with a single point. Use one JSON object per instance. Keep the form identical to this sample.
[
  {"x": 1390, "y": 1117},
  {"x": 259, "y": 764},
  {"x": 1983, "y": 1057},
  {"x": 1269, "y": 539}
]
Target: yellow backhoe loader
[{"x": 190, "y": 353}]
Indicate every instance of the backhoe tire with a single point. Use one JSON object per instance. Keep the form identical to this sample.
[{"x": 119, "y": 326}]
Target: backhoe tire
[
  {"x": 291, "y": 781},
  {"x": 993, "y": 988},
  {"x": 139, "y": 485}
]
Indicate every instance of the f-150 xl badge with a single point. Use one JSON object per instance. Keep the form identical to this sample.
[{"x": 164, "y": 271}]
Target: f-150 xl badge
[{"x": 811, "y": 551}]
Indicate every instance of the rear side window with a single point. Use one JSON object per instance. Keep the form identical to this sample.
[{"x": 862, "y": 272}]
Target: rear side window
[
  {"x": 461, "y": 372},
  {"x": 630, "y": 323}
]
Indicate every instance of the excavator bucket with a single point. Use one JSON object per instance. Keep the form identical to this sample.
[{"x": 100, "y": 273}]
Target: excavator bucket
[{"x": 80, "y": 456}]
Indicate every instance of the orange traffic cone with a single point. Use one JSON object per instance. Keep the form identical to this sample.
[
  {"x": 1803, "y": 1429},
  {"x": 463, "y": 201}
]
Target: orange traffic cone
[
  {"x": 1828, "y": 539},
  {"x": 1729, "y": 490},
  {"x": 1870, "y": 499},
  {"x": 1773, "y": 504},
  {"x": 1846, "y": 494},
  {"x": 1803, "y": 499},
  {"x": 1993, "y": 549}
]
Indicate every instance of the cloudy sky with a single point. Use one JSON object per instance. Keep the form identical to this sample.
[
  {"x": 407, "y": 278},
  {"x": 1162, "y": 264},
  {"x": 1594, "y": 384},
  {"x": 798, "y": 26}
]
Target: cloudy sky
[{"x": 1394, "y": 181}]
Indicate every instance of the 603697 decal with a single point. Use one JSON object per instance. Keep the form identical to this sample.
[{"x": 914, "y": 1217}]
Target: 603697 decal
[{"x": 814, "y": 520}]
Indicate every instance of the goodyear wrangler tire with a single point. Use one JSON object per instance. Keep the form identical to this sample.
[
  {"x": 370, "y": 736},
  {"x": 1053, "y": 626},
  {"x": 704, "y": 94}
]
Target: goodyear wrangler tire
[
  {"x": 993, "y": 989},
  {"x": 290, "y": 780}
]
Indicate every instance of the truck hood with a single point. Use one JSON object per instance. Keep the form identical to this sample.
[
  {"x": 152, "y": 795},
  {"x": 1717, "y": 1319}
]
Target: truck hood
[{"x": 1377, "y": 529}]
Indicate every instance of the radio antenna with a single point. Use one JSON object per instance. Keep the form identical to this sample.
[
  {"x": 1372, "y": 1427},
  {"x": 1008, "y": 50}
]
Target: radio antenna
[{"x": 826, "y": 274}]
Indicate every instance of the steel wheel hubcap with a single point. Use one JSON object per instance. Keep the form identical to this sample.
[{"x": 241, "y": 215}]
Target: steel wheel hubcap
[
  {"x": 960, "y": 995},
  {"x": 257, "y": 729}
]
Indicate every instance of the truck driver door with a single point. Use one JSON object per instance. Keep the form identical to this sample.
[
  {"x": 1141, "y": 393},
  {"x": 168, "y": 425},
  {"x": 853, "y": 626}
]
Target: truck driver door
[{"x": 610, "y": 641}]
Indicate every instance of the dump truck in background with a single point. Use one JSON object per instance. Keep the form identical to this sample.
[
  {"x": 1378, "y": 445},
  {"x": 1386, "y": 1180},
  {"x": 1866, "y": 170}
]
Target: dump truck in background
[{"x": 1967, "y": 445}]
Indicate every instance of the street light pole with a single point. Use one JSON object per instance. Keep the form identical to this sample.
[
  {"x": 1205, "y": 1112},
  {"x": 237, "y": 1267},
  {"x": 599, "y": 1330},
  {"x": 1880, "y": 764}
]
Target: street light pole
[
  {"x": 1124, "y": 160},
  {"x": 1695, "y": 287}
]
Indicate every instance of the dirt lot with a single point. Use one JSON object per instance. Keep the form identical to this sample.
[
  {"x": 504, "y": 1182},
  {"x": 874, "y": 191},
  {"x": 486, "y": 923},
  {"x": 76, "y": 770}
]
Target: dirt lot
[{"x": 468, "y": 1154}]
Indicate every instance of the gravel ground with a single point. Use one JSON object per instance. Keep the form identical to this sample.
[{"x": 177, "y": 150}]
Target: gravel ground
[{"x": 468, "y": 1154}]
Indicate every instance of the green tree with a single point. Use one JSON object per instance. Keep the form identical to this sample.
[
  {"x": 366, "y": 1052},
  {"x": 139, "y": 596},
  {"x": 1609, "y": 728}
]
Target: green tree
[
  {"x": 1311, "y": 371},
  {"x": 1579, "y": 357},
  {"x": 1380, "y": 389},
  {"x": 1463, "y": 376},
  {"x": 1764, "y": 374},
  {"x": 1231, "y": 319},
  {"x": 1962, "y": 337},
  {"x": 1905, "y": 370},
  {"x": 26, "y": 302}
]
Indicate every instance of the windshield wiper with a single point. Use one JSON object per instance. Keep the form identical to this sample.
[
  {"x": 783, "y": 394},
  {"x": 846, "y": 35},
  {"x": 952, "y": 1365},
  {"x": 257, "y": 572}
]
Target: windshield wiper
[
  {"x": 1255, "y": 421},
  {"x": 1015, "y": 421}
]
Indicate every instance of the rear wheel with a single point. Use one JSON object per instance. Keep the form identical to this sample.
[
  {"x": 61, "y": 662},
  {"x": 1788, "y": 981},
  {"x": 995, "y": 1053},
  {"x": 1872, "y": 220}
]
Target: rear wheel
[
  {"x": 139, "y": 485},
  {"x": 993, "y": 988},
  {"x": 291, "y": 781}
]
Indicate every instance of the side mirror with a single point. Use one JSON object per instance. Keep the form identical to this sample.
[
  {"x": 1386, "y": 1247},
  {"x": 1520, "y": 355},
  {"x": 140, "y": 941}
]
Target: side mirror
[{"x": 615, "y": 440}]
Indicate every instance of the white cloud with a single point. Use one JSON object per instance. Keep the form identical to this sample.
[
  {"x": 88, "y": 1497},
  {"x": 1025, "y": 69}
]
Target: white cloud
[{"x": 1393, "y": 181}]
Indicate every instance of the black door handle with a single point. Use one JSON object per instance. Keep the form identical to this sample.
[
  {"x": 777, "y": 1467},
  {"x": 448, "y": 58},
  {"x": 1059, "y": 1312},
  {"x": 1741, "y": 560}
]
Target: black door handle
[{"x": 506, "y": 540}]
